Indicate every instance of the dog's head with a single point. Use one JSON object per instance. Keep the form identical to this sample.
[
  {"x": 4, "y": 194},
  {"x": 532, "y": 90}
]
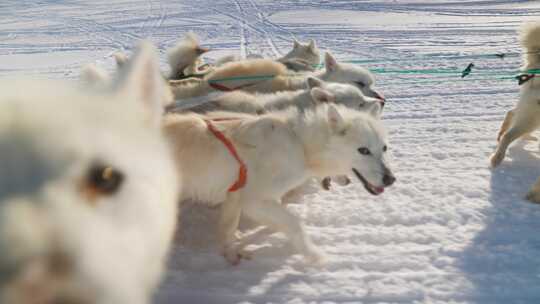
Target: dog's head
[
  {"x": 87, "y": 191},
  {"x": 185, "y": 54},
  {"x": 351, "y": 74},
  {"x": 358, "y": 143},
  {"x": 306, "y": 52},
  {"x": 344, "y": 94}
]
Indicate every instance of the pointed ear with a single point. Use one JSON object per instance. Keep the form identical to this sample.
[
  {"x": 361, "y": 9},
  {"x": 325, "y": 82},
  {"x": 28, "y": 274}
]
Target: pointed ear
[
  {"x": 296, "y": 44},
  {"x": 322, "y": 96},
  {"x": 94, "y": 76},
  {"x": 337, "y": 123},
  {"x": 314, "y": 82},
  {"x": 311, "y": 44},
  {"x": 121, "y": 59},
  {"x": 375, "y": 110},
  {"x": 330, "y": 62},
  {"x": 141, "y": 81}
]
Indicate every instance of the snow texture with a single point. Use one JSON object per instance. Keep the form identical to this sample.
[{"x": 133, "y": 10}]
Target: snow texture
[{"x": 450, "y": 230}]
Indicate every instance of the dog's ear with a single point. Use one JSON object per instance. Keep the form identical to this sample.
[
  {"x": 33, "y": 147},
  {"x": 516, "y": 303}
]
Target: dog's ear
[
  {"x": 337, "y": 123},
  {"x": 330, "y": 62},
  {"x": 375, "y": 109},
  {"x": 314, "y": 82},
  {"x": 296, "y": 44},
  {"x": 311, "y": 45},
  {"x": 322, "y": 96},
  {"x": 94, "y": 76},
  {"x": 141, "y": 80},
  {"x": 121, "y": 59}
]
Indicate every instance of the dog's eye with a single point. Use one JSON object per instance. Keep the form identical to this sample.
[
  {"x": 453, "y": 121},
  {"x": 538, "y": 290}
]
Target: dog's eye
[
  {"x": 103, "y": 180},
  {"x": 360, "y": 84},
  {"x": 364, "y": 151},
  {"x": 384, "y": 148}
]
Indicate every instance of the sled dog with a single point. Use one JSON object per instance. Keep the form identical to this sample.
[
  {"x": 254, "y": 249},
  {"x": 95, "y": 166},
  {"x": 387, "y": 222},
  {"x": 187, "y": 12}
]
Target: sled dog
[
  {"x": 246, "y": 163},
  {"x": 88, "y": 190}
]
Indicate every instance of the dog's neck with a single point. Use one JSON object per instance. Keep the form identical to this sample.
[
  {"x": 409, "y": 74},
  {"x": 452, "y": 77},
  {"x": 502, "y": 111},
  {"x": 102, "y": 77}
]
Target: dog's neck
[{"x": 314, "y": 132}]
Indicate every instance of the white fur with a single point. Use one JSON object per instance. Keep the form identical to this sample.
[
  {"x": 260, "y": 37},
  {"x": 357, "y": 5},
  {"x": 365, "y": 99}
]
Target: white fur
[
  {"x": 184, "y": 57},
  {"x": 318, "y": 142},
  {"x": 525, "y": 117},
  {"x": 112, "y": 246},
  {"x": 308, "y": 53},
  {"x": 317, "y": 92}
]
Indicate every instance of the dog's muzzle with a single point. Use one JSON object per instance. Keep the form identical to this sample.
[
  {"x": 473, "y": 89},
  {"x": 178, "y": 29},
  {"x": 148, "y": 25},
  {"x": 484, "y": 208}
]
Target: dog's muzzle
[{"x": 367, "y": 185}]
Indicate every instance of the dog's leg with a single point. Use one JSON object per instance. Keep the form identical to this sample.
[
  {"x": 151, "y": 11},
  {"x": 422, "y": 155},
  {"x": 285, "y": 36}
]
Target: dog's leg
[
  {"x": 506, "y": 123},
  {"x": 534, "y": 193},
  {"x": 273, "y": 214},
  {"x": 229, "y": 217},
  {"x": 519, "y": 128}
]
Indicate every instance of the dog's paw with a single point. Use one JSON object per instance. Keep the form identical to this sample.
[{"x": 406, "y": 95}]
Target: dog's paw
[
  {"x": 234, "y": 256},
  {"x": 496, "y": 159},
  {"x": 315, "y": 258}
]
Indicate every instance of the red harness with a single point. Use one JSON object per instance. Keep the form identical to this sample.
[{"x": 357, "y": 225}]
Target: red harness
[{"x": 242, "y": 171}]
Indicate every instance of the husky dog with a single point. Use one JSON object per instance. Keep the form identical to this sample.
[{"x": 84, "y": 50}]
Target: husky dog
[
  {"x": 303, "y": 57},
  {"x": 84, "y": 219},
  {"x": 280, "y": 151},
  {"x": 525, "y": 117},
  {"x": 184, "y": 57},
  {"x": 279, "y": 79},
  {"x": 317, "y": 92}
]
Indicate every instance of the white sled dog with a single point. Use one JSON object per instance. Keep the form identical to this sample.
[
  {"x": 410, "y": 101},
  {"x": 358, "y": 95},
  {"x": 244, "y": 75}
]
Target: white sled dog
[
  {"x": 303, "y": 57},
  {"x": 317, "y": 91},
  {"x": 239, "y": 75},
  {"x": 525, "y": 117},
  {"x": 88, "y": 190},
  {"x": 246, "y": 163}
]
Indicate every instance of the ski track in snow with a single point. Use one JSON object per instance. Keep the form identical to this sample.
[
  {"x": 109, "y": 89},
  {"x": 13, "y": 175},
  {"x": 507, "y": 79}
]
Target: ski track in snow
[{"x": 450, "y": 230}]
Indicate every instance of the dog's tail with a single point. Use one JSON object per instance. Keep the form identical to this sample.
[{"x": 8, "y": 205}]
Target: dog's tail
[{"x": 529, "y": 36}]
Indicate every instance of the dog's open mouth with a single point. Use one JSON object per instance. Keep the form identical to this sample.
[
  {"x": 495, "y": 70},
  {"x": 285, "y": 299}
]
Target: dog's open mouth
[{"x": 369, "y": 187}]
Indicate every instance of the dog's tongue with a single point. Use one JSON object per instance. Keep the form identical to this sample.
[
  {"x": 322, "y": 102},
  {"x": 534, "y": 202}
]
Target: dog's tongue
[{"x": 378, "y": 190}]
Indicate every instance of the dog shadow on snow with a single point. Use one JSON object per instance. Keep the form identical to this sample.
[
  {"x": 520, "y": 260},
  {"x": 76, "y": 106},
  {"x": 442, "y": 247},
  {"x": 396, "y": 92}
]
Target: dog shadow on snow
[
  {"x": 503, "y": 260},
  {"x": 197, "y": 273}
]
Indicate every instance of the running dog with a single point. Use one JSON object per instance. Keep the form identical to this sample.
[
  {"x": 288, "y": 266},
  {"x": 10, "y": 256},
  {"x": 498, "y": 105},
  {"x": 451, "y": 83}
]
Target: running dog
[
  {"x": 246, "y": 163},
  {"x": 525, "y": 117}
]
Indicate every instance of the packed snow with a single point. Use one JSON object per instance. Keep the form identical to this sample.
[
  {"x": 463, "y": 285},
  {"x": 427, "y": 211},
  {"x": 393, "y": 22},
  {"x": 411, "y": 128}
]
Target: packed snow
[{"x": 450, "y": 230}]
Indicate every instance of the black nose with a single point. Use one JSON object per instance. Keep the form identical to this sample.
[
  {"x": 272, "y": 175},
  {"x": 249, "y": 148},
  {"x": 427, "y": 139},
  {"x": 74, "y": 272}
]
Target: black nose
[{"x": 388, "y": 179}]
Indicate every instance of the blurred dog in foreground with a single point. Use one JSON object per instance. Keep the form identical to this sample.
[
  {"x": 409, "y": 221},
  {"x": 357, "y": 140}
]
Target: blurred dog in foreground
[{"x": 88, "y": 189}]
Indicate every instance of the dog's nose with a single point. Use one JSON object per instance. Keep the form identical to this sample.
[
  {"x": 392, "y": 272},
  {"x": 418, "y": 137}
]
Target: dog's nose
[{"x": 388, "y": 179}]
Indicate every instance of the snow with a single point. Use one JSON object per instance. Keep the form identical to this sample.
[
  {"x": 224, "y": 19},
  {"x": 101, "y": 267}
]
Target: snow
[{"x": 450, "y": 230}]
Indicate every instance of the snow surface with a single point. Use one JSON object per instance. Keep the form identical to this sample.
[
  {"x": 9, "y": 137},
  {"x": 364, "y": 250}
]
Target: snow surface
[{"x": 450, "y": 230}]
